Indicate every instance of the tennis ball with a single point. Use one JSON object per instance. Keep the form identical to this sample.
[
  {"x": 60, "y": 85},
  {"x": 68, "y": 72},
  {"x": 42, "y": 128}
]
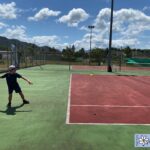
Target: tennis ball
[{"x": 91, "y": 74}]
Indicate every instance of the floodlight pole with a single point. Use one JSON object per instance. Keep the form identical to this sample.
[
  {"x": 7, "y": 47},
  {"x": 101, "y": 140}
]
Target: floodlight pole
[
  {"x": 90, "y": 27},
  {"x": 109, "y": 67}
]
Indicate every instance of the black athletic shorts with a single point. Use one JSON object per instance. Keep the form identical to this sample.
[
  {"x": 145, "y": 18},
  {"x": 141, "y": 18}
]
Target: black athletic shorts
[{"x": 16, "y": 88}]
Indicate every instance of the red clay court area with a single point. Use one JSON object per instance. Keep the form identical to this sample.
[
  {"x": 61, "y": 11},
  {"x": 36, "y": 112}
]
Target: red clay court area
[{"x": 109, "y": 99}]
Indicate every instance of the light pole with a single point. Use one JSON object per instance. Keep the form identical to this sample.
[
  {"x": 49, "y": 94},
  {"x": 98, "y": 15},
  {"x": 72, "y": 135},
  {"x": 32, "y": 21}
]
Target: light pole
[
  {"x": 109, "y": 67},
  {"x": 90, "y": 27}
]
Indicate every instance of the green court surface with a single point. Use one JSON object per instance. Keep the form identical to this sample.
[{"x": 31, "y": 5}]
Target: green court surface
[{"x": 42, "y": 124}]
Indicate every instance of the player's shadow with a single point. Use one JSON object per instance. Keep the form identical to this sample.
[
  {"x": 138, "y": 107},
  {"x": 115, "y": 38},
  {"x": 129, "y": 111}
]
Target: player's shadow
[{"x": 13, "y": 110}]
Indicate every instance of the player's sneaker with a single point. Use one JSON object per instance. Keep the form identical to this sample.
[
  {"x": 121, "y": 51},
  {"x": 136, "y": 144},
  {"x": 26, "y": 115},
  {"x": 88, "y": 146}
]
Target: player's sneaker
[{"x": 26, "y": 102}]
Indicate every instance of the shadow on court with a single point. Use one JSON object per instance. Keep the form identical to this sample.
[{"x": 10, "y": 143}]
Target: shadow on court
[
  {"x": 13, "y": 110},
  {"x": 119, "y": 74}
]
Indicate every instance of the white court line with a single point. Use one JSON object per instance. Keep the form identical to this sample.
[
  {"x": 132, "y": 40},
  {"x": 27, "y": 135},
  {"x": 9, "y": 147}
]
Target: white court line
[
  {"x": 120, "y": 106},
  {"x": 127, "y": 124},
  {"x": 69, "y": 100},
  {"x": 108, "y": 124}
]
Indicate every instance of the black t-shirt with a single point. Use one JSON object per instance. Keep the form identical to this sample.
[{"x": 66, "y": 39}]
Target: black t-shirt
[{"x": 12, "y": 79}]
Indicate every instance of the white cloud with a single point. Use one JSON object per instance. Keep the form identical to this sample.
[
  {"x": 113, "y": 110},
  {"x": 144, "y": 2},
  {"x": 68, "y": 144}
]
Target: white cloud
[
  {"x": 19, "y": 33},
  {"x": 125, "y": 42},
  {"x": 100, "y": 42},
  {"x": 45, "y": 40},
  {"x": 16, "y": 32},
  {"x": 146, "y": 8},
  {"x": 128, "y": 26},
  {"x": 66, "y": 36},
  {"x": 127, "y": 22},
  {"x": 8, "y": 11},
  {"x": 2, "y": 25},
  {"x": 61, "y": 46},
  {"x": 102, "y": 19},
  {"x": 84, "y": 28},
  {"x": 26, "y": 10},
  {"x": 85, "y": 41},
  {"x": 51, "y": 41},
  {"x": 132, "y": 22},
  {"x": 44, "y": 13},
  {"x": 74, "y": 17}
]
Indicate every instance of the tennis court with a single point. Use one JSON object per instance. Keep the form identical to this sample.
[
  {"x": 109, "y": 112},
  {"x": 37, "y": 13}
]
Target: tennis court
[
  {"x": 109, "y": 99},
  {"x": 42, "y": 124}
]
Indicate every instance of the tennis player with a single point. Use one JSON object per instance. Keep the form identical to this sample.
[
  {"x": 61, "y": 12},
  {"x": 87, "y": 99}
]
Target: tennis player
[{"x": 11, "y": 78}]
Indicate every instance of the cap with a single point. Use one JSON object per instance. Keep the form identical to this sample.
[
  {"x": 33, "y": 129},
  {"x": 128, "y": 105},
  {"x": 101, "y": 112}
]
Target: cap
[{"x": 11, "y": 67}]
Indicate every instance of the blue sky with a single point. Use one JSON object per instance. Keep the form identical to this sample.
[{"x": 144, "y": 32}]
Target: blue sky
[{"x": 61, "y": 23}]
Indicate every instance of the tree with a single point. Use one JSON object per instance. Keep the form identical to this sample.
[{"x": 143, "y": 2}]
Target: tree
[
  {"x": 80, "y": 53},
  {"x": 1, "y": 56},
  {"x": 98, "y": 55},
  {"x": 128, "y": 52},
  {"x": 68, "y": 53},
  {"x": 73, "y": 48}
]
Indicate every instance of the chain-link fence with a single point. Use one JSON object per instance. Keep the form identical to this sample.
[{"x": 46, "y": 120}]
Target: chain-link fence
[
  {"x": 121, "y": 58},
  {"x": 21, "y": 60}
]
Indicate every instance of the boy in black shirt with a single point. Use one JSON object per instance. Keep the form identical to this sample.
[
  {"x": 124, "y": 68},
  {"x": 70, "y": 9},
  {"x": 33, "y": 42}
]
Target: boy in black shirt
[{"x": 11, "y": 78}]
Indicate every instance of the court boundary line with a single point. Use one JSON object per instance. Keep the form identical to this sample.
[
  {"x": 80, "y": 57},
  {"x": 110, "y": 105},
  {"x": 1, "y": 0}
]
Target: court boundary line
[
  {"x": 108, "y": 124},
  {"x": 113, "y": 106},
  {"x": 69, "y": 101},
  {"x": 112, "y": 124}
]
